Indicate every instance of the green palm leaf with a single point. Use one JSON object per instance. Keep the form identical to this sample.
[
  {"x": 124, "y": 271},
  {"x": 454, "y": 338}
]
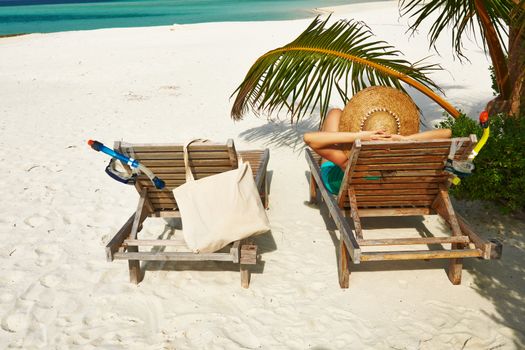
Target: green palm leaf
[
  {"x": 302, "y": 74},
  {"x": 493, "y": 17},
  {"x": 459, "y": 16}
]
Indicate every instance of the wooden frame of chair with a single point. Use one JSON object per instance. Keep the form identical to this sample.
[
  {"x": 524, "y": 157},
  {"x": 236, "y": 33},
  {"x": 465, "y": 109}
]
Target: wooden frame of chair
[
  {"x": 166, "y": 161},
  {"x": 406, "y": 178}
]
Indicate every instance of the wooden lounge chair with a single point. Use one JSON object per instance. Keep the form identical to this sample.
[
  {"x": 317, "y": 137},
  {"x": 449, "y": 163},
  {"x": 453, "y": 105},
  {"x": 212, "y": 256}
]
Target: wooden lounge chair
[
  {"x": 167, "y": 162},
  {"x": 405, "y": 178}
]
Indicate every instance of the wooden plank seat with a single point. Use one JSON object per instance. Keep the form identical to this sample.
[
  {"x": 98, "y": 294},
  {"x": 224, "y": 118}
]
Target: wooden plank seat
[
  {"x": 167, "y": 162},
  {"x": 405, "y": 178}
]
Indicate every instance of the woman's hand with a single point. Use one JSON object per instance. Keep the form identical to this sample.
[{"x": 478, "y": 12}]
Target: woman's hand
[
  {"x": 373, "y": 135},
  {"x": 397, "y": 137}
]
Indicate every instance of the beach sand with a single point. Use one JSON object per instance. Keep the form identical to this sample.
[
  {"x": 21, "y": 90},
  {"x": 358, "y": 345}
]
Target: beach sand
[{"x": 172, "y": 83}]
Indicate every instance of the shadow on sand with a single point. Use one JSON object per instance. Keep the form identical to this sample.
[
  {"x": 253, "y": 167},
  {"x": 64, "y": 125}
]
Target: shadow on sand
[
  {"x": 500, "y": 281},
  {"x": 281, "y": 133}
]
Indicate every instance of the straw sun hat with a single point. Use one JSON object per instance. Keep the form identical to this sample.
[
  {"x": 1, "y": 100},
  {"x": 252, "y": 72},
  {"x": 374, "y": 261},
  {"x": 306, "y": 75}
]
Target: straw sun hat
[{"x": 380, "y": 108}]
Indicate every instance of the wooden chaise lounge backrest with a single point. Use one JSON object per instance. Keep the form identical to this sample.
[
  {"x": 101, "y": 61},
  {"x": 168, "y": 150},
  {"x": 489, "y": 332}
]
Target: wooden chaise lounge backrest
[
  {"x": 166, "y": 161},
  {"x": 386, "y": 174}
]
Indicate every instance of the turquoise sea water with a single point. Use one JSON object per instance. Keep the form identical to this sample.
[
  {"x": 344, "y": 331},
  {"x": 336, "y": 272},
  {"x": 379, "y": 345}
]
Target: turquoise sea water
[{"x": 29, "y": 16}]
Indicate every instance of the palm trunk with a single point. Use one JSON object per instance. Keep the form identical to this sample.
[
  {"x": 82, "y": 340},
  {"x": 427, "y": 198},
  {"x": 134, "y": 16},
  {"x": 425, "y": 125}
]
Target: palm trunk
[
  {"x": 495, "y": 50},
  {"x": 517, "y": 70}
]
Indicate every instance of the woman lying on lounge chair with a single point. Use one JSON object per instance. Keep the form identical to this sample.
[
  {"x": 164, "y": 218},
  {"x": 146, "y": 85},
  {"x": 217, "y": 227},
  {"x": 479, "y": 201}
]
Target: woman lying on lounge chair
[{"x": 328, "y": 143}]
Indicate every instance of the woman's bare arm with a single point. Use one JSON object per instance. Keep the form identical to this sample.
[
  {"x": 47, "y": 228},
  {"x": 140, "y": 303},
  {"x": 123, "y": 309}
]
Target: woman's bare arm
[
  {"x": 425, "y": 135},
  {"x": 322, "y": 139},
  {"x": 327, "y": 143}
]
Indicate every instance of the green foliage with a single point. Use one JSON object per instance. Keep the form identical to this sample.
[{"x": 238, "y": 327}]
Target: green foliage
[
  {"x": 494, "y": 82},
  {"x": 500, "y": 166}
]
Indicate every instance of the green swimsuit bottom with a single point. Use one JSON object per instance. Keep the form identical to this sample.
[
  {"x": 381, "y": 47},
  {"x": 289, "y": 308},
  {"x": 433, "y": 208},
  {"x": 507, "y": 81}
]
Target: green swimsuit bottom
[{"x": 332, "y": 176}]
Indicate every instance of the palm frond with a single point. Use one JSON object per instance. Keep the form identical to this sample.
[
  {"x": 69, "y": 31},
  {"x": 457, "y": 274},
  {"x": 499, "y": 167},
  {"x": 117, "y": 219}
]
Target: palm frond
[
  {"x": 461, "y": 16},
  {"x": 302, "y": 74}
]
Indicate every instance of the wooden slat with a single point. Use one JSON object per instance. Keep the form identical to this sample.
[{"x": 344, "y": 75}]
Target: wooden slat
[
  {"x": 170, "y": 184},
  {"x": 422, "y": 203},
  {"x": 394, "y": 198},
  {"x": 164, "y": 207},
  {"x": 180, "y": 156},
  {"x": 413, "y": 241},
  {"x": 401, "y": 160},
  {"x": 163, "y": 194},
  {"x": 166, "y": 147},
  {"x": 156, "y": 201},
  {"x": 421, "y": 254},
  {"x": 399, "y": 167},
  {"x": 166, "y": 214},
  {"x": 154, "y": 242},
  {"x": 173, "y": 256},
  {"x": 177, "y": 177},
  {"x": 377, "y": 185},
  {"x": 397, "y": 173},
  {"x": 393, "y": 212},
  {"x": 160, "y": 170},
  {"x": 360, "y": 192},
  {"x": 180, "y": 162},
  {"x": 384, "y": 153},
  {"x": 402, "y": 179},
  {"x": 166, "y": 177}
]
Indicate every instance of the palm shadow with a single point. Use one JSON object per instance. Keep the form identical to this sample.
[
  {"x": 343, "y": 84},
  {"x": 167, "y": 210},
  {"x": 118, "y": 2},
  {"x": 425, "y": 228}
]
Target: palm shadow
[{"x": 500, "y": 281}]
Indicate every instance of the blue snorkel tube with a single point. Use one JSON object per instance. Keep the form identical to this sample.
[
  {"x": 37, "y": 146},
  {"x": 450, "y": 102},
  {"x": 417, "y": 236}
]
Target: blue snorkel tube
[{"x": 133, "y": 163}]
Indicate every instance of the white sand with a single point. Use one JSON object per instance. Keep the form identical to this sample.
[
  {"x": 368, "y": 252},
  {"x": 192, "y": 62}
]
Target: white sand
[{"x": 167, "y": 84}]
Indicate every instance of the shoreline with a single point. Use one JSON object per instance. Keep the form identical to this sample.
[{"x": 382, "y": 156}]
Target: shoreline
[
  {"x": 12, "y": 35},
  {"x": 329, "y": 10}
]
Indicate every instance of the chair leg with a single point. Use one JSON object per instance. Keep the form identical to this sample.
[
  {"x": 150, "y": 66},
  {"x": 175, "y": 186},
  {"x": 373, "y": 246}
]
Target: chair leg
[
  {"x": 313, "y": 190},
  {"x": 454, "y": 267},
  {"x": 245, "y": 275},
  {"x": 443, "y": 207},
  {"x": 247, "y": 257},
  {"x": 140, "y": 215},
  {"x": 344, "y": 271},
  {"x": 266, "y": 197},
  {"x": 134, "y": 267}
]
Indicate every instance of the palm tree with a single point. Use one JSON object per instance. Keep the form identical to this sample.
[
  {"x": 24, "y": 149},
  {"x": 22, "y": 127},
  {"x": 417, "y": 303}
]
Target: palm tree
[
  {"x": 496, "y": 20},
  {"x": 301, "y": 75}
]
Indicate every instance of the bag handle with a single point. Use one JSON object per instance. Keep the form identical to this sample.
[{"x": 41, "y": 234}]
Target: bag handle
[
  {"x": 187, "y": 169},
  {"x": 189, "y": 174}
]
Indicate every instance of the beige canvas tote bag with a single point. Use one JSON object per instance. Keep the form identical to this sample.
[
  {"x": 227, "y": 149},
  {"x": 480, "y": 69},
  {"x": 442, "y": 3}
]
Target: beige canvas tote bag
[{"x": 219, "y": 209}]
